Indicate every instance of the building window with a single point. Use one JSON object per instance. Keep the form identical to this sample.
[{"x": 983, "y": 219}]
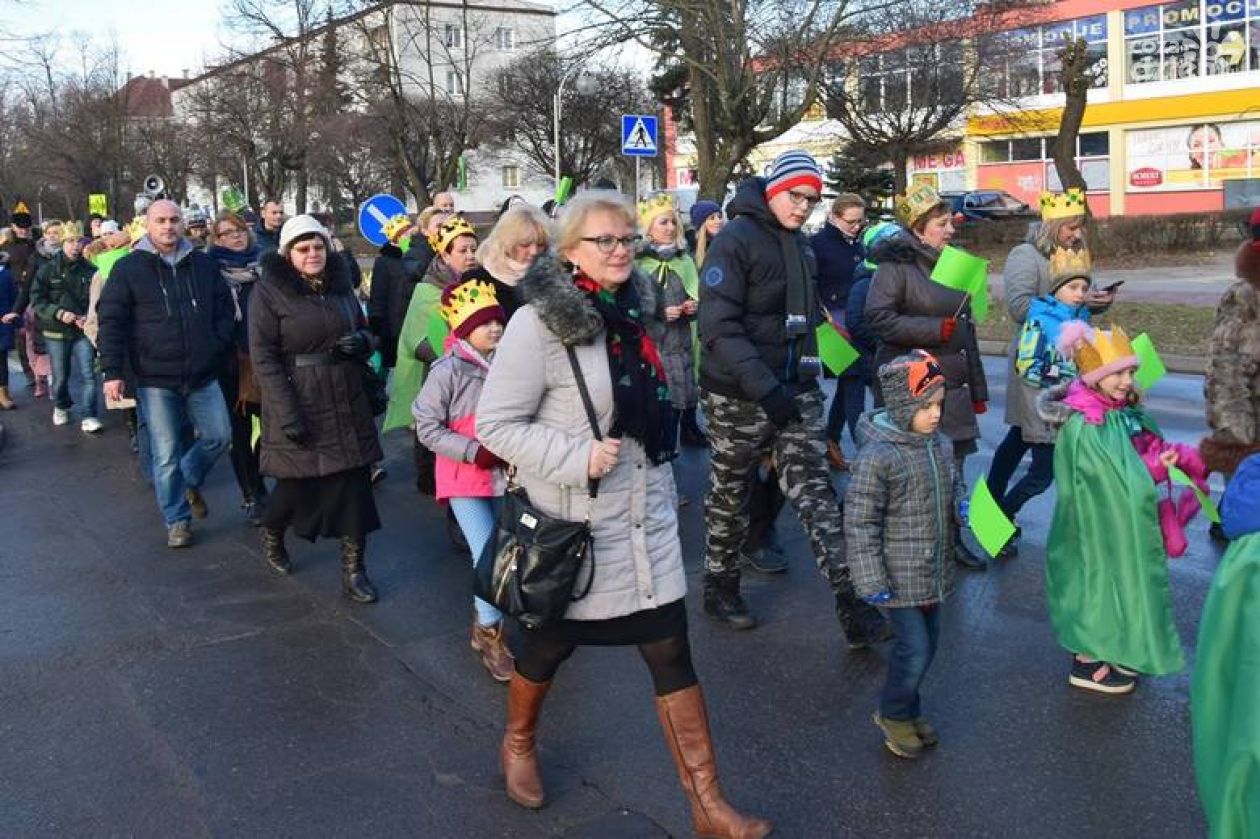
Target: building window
[
  {"x": 1193, "y": 156},
  {"x": 1092, "y": 155},
  {"x": 504, "y": 39},
  {"x": 454, "y": 36},
  {"x": 1184, "y": 40},
  {"x": 511, "y": 177},
  {"x": 1027, "y": 60},
  {"x": 454, "y": 82},
  {"x": 916, "y": 77}
]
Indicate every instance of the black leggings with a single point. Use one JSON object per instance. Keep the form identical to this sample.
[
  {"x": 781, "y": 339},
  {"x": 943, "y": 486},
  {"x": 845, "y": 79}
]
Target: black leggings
[
  {"x": 4, "y": 368},
  {"x": 668, "y": 660}
]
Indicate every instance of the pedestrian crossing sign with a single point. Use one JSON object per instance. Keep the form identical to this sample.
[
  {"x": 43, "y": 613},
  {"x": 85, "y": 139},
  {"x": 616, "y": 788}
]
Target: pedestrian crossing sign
[{"x": 638, "y": 135}]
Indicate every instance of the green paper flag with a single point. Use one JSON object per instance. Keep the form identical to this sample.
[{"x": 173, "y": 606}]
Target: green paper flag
[
  {"x": 980, "y": 303},
  {"x": 404, "y": 244},
  {"x": 436, "y": 332},
  {"x": 1205, "y": 500},
  {"x": 255, "y": 432},
  {"x": 1152, "y": 368},
  {"x": 837, "y": 353},
  {"x": 563, "y": 190},
  {"x": 969, "y": 274},
  {"x": 990, "y": 525}
]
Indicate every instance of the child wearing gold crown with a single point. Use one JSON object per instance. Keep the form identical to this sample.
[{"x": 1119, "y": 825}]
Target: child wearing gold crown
[
  {"x": 468, "y": 476},
  {"x": 1111, "y": 535}
]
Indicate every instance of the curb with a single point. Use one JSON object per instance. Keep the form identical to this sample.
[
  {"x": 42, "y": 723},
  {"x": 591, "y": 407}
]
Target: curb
[{"x": 1194, "y": 365}]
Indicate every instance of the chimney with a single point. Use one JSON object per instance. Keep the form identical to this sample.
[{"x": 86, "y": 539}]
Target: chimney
[
  {"x": 150, "y": 74},
  {"x": 166, "y": 82}
]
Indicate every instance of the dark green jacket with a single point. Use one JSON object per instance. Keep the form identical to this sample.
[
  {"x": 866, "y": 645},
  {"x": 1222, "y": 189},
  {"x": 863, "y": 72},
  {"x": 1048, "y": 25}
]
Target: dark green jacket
[{"x": 61, "y": 285}]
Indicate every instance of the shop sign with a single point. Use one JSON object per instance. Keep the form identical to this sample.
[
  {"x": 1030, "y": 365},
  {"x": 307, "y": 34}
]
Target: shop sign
[{"x": 1147, "y": 176}]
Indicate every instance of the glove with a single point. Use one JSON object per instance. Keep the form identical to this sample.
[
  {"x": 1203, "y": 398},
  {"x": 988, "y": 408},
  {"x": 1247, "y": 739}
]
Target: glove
[
  {"x": 298, "y": 433},
  {"x": 948, "y": 326},
  {"x": 424, "y": 353},
  {"x": 879, "y": 599},
  {"x": 486, "y": 459},
  {"x": 964, "y": 512},
  {"x": 355, "y": 345},
  {"x": 780, "y": 407},
  {"x": 980, "y": 407}
]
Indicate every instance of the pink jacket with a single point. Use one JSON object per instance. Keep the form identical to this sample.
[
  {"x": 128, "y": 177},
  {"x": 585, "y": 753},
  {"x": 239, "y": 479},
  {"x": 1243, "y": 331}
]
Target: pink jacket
[{"x": 446, "y": 419}]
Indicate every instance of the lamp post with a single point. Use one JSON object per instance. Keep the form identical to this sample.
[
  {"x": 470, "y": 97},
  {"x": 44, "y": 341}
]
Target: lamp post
[{"x": 585, "y": 85}]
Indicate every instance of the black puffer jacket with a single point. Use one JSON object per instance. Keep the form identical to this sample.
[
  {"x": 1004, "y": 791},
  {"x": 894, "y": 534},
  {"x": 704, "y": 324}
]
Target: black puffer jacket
[
  {"x": 392, "y": 286},
  {"x": 287, "y": 319},
  {"x": 906, "y": 310},
  {"x": 746, "y": 352},
  {"x": 172, "y": 326}
]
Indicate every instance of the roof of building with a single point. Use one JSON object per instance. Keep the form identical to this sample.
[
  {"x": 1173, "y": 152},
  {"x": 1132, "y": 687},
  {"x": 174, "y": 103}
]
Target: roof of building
[{"x": 150, "y": 96}]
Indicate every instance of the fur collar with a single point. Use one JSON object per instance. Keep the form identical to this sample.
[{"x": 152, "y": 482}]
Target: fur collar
[
  {"x": 563, "y": 308},
  {"x": 904, "y": 248},
  {"x": 279, "y": 272},
  {"x": 1051, "y": 406}
]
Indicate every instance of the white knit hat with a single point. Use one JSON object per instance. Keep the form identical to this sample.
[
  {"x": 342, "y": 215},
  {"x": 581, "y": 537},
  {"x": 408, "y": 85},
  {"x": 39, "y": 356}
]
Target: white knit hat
[{"x": 299, "y": 226}]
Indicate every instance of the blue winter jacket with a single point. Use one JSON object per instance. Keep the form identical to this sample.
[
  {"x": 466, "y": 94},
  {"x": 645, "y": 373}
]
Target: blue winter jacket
[
  {"x": 1038, "y": 360},
  {"x": 1240, "y": 509}
]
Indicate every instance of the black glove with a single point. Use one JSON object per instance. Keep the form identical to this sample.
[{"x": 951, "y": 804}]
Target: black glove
[
  {"x": 355, "y": 345},
  {"x": 424, "y": 352},
  {"x": 780, "y": 407},
  {"x": 298, "y": 432}
]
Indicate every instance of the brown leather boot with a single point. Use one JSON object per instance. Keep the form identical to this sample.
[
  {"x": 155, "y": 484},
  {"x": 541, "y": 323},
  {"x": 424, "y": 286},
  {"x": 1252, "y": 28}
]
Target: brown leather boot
[
  {"x": 488, "y": 641},
  {"x": 6, "y": 404},
  {"x": 518, "y": 754},
  {"x": 686, "y": 727},
  {"x": 835, "y": 457}
]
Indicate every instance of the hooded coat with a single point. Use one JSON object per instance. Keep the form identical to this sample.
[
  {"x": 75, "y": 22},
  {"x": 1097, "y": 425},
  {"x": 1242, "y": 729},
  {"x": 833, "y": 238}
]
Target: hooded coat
[
  {"x": 1232, "y": 384},
  {"x": 906, "y": 310},
  {"x": 531, "y": 415},
  {"x": 288, "y": 318}
]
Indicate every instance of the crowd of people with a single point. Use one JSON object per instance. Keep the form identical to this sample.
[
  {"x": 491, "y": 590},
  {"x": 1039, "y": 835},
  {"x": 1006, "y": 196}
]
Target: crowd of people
[{"x": 570, "y": 357}]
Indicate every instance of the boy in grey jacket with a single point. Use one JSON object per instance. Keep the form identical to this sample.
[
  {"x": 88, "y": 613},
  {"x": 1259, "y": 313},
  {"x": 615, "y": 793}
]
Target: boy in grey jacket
[{"x": 899, "y": 524}]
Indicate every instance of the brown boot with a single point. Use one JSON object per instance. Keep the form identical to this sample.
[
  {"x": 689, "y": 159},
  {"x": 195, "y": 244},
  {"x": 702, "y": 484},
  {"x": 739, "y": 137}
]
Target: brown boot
[
  {"x": 835, "y": 456},
  {"x": 686, "y": 727},
  {"x": 488, "y": 640},
  {"x": 518, "y": 754},
  {"x": 6, "y": 404}
]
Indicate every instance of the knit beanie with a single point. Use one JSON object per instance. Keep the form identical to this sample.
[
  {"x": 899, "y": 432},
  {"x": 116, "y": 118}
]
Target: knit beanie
[
  {"x": 469, "y": 304},
  {"x": 700, "y": 212},
  {"x": 907, "y": 383},
  {"x": 298, "y": 227},
  {"x": 792, "y": 169}
]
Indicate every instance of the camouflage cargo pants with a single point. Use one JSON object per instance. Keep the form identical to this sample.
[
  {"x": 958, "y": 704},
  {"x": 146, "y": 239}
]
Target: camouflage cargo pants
[{"x": 740, "y": 435}]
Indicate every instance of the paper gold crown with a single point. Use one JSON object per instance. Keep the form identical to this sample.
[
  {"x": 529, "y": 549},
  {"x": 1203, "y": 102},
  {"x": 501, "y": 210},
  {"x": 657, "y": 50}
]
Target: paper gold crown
[
  {"x": 396, "y": 226},
  {"x": 448, "y": 231},
  {"x": 1056, "y": 205},
  {"x": 71, "y": 230},
  {"x": 653, "y": 206},
  {"x": 465, "y": 300},
  {"x": 1068, "y": 264},
  {"x": 1103, "y": 349},
  {"x": 136, "y": 228},
  {"x": 918, "y": 200}
]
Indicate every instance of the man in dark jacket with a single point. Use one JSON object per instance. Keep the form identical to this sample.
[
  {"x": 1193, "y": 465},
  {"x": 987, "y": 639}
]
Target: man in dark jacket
[
  {"x": 21, "y": 251},
  {"x": 267, "y": 232},
  {"x": 759, "y": 368},
  {"x": 166, "y": 314},
  {"x": 392, "y": 286}
]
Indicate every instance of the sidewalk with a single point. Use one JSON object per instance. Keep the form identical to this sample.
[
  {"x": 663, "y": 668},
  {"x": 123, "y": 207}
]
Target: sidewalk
[{"x": 1189, "y": 285}]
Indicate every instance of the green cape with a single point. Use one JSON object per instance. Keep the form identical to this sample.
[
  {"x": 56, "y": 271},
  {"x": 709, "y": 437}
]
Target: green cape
[
  {"x": 1225, "y": 694},
  {"x": 1106, "y": 568},
  {"x": 408, "y": 372}
]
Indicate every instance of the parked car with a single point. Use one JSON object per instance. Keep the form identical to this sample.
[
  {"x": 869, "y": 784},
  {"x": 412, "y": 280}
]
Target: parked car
[{"x": 987, "y": 205}]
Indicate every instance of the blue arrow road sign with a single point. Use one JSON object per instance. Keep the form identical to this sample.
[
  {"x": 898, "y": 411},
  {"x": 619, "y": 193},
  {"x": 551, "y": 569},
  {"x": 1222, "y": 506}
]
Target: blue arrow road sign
[
  {"x": 375, "y": 212},
  {"x": 638, "y": 135}
]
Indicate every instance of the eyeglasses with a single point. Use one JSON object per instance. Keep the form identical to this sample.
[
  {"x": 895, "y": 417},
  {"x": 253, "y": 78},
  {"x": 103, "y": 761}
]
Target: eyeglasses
[
  {"x": 799, "y": 198},
  {"x": 923, "y": 375},
  {"x": 608, "y": 244},
  {"x": 851, "y": 222}
]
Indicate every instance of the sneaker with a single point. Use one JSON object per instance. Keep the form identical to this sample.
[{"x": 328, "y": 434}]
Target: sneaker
[
  {"x": 196, "y": 503},
  {"x": 927, "y": 734},
  {"x": 179, "y": 535},
  {"x": 91, "y": 425},
  {"x": 964, "y": 556},
  {"x": 60, "y": 416},
  {"x": 1124, "y": 671},
  {"x": 764, "y": 560},
  {"x": 723, "y": 603},
  {"x": 1011, "y": 549},
  {"x": 900, "y": 736},
  {"x": 1100, "y": 677},
  {"x": 488, "y": 641}
]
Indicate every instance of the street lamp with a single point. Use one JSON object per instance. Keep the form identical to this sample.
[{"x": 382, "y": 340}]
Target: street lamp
[{"x": 585, "y": 85}]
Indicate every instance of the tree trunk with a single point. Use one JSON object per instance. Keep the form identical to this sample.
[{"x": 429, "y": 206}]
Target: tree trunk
[
  {"x": 303, "y": 185},
  {"x": 1076, "y": 84},
  {"x": 901, "y": 173}
]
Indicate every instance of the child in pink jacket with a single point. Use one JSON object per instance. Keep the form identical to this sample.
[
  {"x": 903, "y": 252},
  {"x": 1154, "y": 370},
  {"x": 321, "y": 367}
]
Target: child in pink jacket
[{"x": 468, "y": 475}]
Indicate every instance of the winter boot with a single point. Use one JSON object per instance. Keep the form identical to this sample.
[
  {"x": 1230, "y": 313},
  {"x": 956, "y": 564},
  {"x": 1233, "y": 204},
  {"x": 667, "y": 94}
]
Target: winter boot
[
  {"x": 964, "y": 556},
  {"x": 862, "y": 623},
  {"x": 275, "y": 557},
  {"x": 686, "y": 726},
  {"x": 487, "y": 641},
  {"x": 6, "y": 403},
  {"x": 41, "y": 387},
  {"x": 354, "y": 579},
  {"x": 519, "y": 754},
  {"x": 691, "y": 434},
  {"x": 723, "y": 603}
]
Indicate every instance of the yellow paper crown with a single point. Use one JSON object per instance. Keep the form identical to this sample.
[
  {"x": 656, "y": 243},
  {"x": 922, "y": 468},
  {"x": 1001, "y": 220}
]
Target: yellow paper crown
[
  {"x": 450, "y": 230},
  {"x": 461, "y": 302},
  {"x": 1102, "y": 349},
  {"x": 20, "y": 207},
  {"x": 137, "y": 228},
  {"x": 918, "y": 200},
  {"x": 653, "y": 206},
  {"x": 1062, "y": 204},
  {"x": 396, "y": 226},
  {"x": 1068, "y": 264},
  {"x": 71, "y": 230}
]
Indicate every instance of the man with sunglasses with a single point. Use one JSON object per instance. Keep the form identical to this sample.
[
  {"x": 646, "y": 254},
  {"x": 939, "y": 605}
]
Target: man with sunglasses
[{"x": 759, "y": 370}]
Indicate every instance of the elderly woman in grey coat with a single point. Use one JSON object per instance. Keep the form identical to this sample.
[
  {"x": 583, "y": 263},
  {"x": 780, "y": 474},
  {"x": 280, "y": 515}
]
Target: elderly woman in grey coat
[
  {"x": 1025, "y": 277},
  {"x": 531, "y": 415}
]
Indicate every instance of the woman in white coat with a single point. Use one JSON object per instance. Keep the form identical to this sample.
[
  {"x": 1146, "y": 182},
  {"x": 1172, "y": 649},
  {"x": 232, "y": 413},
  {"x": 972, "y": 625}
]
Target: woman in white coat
[{"x": 531, "y": 415}]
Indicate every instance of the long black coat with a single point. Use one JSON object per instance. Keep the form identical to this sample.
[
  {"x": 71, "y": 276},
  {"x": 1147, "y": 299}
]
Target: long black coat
[
  {"x": 392, "y": 286},
  {"x": 287, "y": 318}
]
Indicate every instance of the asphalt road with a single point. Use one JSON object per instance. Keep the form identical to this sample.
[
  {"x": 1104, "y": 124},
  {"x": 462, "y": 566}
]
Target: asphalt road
[{"x": 152, "y": 693}]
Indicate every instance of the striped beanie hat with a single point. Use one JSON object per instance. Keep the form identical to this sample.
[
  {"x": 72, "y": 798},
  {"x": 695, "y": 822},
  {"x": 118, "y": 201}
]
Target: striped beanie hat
[{"x": 792, "y": 169}]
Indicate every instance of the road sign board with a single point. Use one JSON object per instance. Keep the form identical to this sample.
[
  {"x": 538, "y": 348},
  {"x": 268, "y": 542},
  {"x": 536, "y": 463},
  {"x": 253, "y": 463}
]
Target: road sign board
[
  {"x": 374, "y": 213},
  {"x": 638, "y": 135}
]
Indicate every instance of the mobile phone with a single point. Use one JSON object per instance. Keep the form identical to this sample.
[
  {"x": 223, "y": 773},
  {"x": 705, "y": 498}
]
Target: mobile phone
[{"x": 1111, "y": 288}]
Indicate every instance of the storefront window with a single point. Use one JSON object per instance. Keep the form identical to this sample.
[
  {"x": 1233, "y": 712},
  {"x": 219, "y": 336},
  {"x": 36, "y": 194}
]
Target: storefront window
[
  {"x": 1030, "y": 57},
  {"x": 1193, "y": 156},
  {"x": 995, "y": 152},
  {"x": 1184, "y": 40},
  {"x": 1027, "y": 149},
  {"x": 1181, "y": 53},
  {"x": 1225, "y": 49}
]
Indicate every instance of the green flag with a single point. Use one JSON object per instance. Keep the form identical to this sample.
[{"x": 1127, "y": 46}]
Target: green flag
[
  {"x": 967, "y": 273},
  {"x": 1152, "y": 368},
  {"x": 990, "y": 525},
  {"x": 837, "y": 353},
  {"x": 1205, "y": 500}
]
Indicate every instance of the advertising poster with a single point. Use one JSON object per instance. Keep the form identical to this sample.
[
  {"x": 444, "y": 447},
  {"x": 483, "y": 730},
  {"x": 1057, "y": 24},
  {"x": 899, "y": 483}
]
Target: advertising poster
[{"x": 1193, "y": 157}]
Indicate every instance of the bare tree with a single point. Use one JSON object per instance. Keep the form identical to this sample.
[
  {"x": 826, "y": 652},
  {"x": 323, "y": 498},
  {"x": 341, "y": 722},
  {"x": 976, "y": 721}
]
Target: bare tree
[{"x": 1077, "y": 74}]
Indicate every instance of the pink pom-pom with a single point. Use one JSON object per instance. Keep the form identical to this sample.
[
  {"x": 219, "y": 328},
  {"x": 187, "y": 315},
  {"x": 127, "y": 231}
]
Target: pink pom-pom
[{"x": 1072, "y": 334}]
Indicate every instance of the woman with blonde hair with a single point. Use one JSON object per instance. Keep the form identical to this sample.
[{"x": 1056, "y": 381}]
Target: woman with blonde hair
[
  {"x": 521, "y": 235},
  {"x": 589, "y": 314}
]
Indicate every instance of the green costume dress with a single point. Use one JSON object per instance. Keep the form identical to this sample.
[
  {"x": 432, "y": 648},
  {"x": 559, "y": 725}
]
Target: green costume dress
[
  {"x": 419, "y": 323},
  {"x": 1106, "y": 567}
]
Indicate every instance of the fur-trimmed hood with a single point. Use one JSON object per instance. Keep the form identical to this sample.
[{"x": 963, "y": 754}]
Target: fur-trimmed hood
[
  {"x": 279, "y": 272},
  {"x": 563, "y": 308},
  {"x": 1051, "y": 406},
  {"x": 904, "y": 247}
]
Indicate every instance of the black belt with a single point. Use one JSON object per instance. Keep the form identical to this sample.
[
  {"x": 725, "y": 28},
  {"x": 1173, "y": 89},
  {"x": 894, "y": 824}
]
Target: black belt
[{"x": 315, "y": 359}]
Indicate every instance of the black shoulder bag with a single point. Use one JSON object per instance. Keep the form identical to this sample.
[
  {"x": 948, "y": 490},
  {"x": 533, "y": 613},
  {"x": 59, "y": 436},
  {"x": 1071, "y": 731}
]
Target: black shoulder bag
[{"x": 529, "y": 570}]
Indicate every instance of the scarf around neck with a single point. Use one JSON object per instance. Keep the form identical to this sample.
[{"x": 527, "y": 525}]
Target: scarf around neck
[{"x": 641, "y": 407}]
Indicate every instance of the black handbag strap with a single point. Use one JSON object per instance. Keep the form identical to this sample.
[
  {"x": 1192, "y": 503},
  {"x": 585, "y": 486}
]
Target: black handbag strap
[{"x": 586, "y": 403}]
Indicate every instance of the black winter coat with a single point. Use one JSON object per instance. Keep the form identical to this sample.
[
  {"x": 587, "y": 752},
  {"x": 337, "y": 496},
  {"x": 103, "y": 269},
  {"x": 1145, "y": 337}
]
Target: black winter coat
[
  {"x": 287, "y": 319},
  {"x": 391, "y": 294},
  {"x": 268, "y": 240},
  {"x": 171, "y": 326},
  {"x": 906, "y": 310},
  {"x": 838, "y": 261},
  {"x": 61, "y": 285},
  {"x": 746, "y": 353}
]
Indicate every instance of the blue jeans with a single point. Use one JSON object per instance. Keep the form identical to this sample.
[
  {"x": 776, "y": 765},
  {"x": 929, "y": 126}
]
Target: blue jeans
[
  {"x": 1036, "y": 480},
  {"x": 87, "y": 384},
  {"x": 178, "y": 467},
  {"x": 478, "y": 518},
  {"x": 846, "y": 406},
  {"x": 918, "y": 628}
]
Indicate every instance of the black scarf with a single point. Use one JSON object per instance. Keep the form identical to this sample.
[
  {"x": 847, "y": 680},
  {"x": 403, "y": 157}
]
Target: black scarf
[{"x": 641, "y": 407}]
